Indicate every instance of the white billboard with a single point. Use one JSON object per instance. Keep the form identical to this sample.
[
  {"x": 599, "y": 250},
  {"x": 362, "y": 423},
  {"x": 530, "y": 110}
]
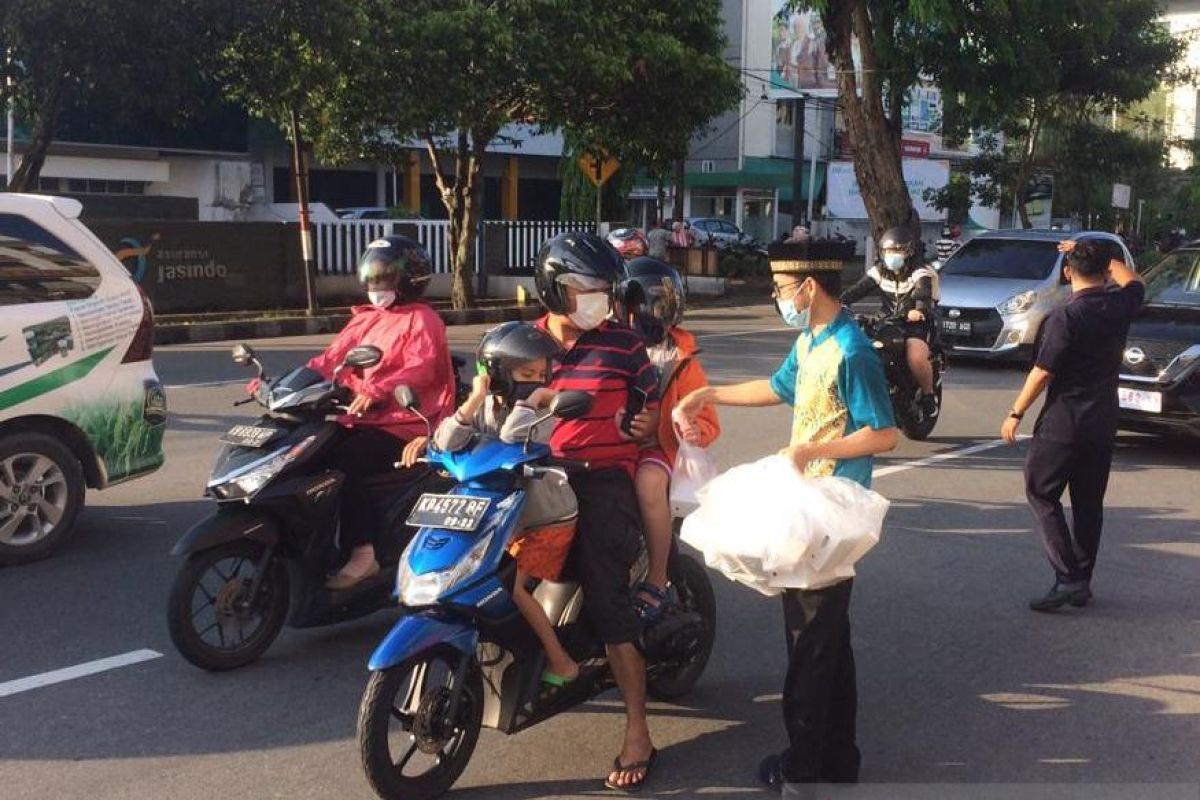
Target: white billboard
[{"x": 844, "y": 200}]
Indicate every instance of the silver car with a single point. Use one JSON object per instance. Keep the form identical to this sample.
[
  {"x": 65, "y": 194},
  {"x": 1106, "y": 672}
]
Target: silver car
[
  {"x": 717, "y": 232},
  {"x": 997, "y": 288}
]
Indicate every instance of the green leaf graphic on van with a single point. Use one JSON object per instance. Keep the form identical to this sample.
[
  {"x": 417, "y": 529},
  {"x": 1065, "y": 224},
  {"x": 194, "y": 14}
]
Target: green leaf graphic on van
[{"x": 51, "y": 380}]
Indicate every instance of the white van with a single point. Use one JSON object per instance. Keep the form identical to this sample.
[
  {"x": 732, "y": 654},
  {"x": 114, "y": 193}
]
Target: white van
[{"x": 80, "y": 404}]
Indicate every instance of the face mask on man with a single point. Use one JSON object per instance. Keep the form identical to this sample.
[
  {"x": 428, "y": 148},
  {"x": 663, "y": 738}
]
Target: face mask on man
[
  {"x": 382, "y": 299},
  {"x": 590, "y": 310},
  {"x": 792, "y": 317},
  {"x": 893, "y": 261}
]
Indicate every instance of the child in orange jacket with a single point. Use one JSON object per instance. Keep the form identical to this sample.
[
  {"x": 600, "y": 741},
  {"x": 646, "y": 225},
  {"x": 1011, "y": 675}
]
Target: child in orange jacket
[{"x": 651, "y": 301}]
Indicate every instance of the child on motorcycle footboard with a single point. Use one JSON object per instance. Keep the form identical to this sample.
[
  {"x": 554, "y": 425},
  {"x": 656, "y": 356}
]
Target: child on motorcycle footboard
[
  {"x": 908, "y": 290},
  {"x": 652, "y": 300},
  {"x": 515, "y": 360},
  {"x": 394, "y": 271}
]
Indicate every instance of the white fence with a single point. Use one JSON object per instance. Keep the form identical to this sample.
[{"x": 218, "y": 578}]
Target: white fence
[{"x": 339, "y": 244}]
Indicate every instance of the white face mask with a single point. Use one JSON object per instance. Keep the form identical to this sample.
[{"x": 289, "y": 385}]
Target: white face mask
[
  {"x": 893, "y": 261},
  {"x": 590, "y": 310},
  {"x": 791, "y": 317},
  {"x": 382, "y": 299}
]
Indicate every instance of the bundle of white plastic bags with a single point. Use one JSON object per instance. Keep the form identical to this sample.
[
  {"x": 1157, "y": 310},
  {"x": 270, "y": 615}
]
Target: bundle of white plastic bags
[{"x": 764, "y": 525}]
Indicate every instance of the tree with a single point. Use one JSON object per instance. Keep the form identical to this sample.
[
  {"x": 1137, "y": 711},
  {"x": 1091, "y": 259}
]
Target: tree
[
  {"x": 1024, "y": 67},
  {"x": 95, "y": 54},
  {"x": 453, "y": 73}
]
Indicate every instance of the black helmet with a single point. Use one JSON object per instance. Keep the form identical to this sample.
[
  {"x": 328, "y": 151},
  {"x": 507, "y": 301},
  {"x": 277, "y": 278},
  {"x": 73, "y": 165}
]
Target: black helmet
[
  {"x": 581, "y": 254},
  {"x": 651, "y": 298},
  {"x": 905, "y": 240},
  {"x": 507, "y": 346},
  {"x": 395, "y": 263}
]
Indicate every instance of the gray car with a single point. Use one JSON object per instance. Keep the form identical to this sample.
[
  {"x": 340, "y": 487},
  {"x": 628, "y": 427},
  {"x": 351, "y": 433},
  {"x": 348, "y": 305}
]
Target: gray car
[
  {"x": 717, "y": 232},
  {"x": 998, "y": 288}
]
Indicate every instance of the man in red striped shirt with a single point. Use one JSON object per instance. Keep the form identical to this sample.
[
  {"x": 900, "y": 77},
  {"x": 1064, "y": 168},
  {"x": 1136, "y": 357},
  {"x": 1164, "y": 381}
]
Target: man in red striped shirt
[{"x": 575, "y": 275}]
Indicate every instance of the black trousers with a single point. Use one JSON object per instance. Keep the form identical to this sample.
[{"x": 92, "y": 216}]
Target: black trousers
[
  {"x": 1083, "y": 469},
  {"x": 363, "y": 452},
  {"x": 820, "y": 693}
]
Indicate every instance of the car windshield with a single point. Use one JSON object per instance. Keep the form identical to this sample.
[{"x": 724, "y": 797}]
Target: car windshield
[
  {"x": 1175, "y": 280},
  {"x": 1003, "y": 258}
]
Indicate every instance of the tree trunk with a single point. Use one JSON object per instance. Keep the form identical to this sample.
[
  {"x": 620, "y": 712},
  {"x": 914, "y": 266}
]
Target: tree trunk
[
  {"x": 25, "y": 177},
  {"x": 1025, "y": 170},
  {"x": 874, "y": 138}
]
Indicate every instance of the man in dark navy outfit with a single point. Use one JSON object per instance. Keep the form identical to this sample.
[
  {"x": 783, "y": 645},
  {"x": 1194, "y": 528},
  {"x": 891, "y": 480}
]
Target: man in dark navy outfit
[{"x": 1072, "y": 446}]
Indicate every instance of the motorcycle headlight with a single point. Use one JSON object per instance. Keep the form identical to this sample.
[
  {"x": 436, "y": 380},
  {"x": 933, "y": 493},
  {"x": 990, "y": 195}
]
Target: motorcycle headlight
[
  {"x": 1018, "y": 303},
  {"x": 425, "y": 589},
  {"x": 255, "y": 476}
]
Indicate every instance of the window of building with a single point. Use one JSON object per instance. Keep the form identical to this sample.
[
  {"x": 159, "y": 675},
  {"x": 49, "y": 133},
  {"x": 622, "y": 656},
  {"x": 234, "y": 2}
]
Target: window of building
[
  {"x": 37, "y": 267},
  {"x": 93, "y": 186}
]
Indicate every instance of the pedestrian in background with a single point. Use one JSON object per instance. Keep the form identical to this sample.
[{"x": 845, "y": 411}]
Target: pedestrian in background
[
  {"x": 951, "y": 240},
  {"x": 682, "y": 235},
  {"x": 657, "y": 240},
  {"x": 1078, "y": 366}
]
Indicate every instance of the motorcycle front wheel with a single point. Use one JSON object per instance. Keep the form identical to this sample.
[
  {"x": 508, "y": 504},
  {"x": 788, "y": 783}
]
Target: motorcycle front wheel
[
  {"x": 410, "y": 748},
  {"x": 914, "y": 423},
  {"x": 213, "y": 621}
]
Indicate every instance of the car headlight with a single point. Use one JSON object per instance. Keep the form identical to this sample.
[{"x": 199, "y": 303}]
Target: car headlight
[
  {"x": 424, "y": 590},
  {"x": 1018, "y": 303},
  {"x": 257, "y": 475}
]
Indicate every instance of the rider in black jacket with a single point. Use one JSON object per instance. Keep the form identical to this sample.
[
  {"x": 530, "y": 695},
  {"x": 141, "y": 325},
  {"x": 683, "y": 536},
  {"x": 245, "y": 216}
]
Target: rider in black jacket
[{"x": 908, "y": 289}]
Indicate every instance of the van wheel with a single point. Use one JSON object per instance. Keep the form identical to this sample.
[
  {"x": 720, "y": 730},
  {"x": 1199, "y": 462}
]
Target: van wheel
[{"x": 41, "y": 493}]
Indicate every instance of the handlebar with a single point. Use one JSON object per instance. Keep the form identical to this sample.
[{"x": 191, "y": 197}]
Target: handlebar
[{"x": 568, "y": 464}]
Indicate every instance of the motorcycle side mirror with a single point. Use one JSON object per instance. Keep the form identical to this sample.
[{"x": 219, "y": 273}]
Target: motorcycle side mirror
[
  {"x": 363, "y": 357},
  {"x": 570, "y": 404},
  {"x": 406, "y": 398},
  {"x": 243, "y": 355}
]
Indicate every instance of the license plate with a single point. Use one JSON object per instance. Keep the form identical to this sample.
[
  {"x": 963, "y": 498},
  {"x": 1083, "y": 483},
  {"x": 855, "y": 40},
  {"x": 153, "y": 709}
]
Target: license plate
[
  {"x": 248, "y": 436},
  {"x": 956, "y": 327},
  {"x": 456, "y": 512},
  {"x": 1138, "y": 400}
]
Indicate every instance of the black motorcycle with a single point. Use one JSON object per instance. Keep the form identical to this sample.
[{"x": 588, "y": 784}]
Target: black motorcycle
[
  {"x": 262, "y": 557},
  {"x": 888, "y": 336}
]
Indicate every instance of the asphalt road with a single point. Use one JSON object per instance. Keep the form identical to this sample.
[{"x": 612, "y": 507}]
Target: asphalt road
[{"x": 959, "y": 683}]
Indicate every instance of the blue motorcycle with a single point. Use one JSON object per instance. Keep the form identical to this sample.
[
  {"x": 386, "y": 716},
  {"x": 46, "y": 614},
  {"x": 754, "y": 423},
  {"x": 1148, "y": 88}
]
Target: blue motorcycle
[{"x": 462, "y": 657}]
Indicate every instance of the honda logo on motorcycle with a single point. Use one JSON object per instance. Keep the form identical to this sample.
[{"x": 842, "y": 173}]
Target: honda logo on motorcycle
[{"x": 436, "y": 542}]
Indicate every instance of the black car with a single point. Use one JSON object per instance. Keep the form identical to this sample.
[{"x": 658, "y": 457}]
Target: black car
[{"x": 1160, "y": 374}]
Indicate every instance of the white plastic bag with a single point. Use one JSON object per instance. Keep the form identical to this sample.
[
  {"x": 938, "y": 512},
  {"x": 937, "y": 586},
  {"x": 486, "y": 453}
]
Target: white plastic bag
[
  {"x": 765, "y": 526},
  {"x": 694, "y": 467}
]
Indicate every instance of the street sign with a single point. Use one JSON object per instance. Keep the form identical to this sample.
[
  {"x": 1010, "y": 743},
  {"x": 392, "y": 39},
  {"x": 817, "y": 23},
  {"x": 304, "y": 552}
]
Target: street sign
[
  {"x": 1120, "y": 196},
  {"x": 598, "y": 170}
]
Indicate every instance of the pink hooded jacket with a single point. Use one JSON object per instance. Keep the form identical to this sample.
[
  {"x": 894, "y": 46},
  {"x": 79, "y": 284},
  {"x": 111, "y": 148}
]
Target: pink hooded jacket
[{"x": 413, "y": 339}]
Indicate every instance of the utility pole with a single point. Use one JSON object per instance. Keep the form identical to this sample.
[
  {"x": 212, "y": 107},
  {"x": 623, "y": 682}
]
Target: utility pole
[
  {"x": 812, "y": 176},
  {"x": 306, "y": 242},
  {"x": 599, "y": 194},
  {"x": 797, "y": 156}
]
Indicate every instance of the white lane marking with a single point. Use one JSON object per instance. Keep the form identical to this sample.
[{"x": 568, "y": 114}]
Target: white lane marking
[
  {"x": 742, "y": 333},
  {"x": 78, "y": 671},
  {"x": 203, "y": 384},
  {"x": 938, "y": 458}
]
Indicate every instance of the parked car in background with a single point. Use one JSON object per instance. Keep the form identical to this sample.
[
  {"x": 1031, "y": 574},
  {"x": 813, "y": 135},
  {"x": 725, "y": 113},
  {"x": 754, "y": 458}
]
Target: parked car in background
[
  {"x": 80, "y": 404},
  {"x": 718, "y": 232},
  {"x": 998, "y": 288},
  {"x": 1160, "y": 373}
]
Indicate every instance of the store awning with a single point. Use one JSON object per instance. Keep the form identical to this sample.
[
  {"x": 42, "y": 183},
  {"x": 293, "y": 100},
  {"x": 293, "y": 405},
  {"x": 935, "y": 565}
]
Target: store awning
[{"x": 760, "y": 173}]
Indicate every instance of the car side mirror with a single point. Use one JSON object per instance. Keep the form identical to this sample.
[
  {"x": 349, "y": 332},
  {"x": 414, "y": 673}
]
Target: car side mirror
[
  {"x": 406, "y": 398},
  {"x": 570, "y": 404},
  {"x": 243, "y": 355},
  {"x": 363, "y": 357}
]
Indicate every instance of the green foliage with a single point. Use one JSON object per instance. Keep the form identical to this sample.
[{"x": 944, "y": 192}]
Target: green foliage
[{"x": 128, "y": 55}]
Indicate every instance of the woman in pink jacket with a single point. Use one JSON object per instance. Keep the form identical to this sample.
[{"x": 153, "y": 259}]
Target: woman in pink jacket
[{"x": 394, "y": 271}]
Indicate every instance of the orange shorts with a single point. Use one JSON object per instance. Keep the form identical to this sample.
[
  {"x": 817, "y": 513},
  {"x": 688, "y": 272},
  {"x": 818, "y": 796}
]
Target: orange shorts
[{"x": 541, "y": 552}]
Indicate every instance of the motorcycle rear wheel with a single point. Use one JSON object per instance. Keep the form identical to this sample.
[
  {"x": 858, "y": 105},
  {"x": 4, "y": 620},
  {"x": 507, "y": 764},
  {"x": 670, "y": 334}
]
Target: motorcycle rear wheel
[
  {"x": 695, "y": 593},
  {"x": 209, "y": 597},
  {"x": 914, "y": 423},
  {"x": 402, "y": 717}
]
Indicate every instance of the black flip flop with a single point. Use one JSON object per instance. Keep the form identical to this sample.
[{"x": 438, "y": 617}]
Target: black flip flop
[{"x": 632, "y": 788}]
